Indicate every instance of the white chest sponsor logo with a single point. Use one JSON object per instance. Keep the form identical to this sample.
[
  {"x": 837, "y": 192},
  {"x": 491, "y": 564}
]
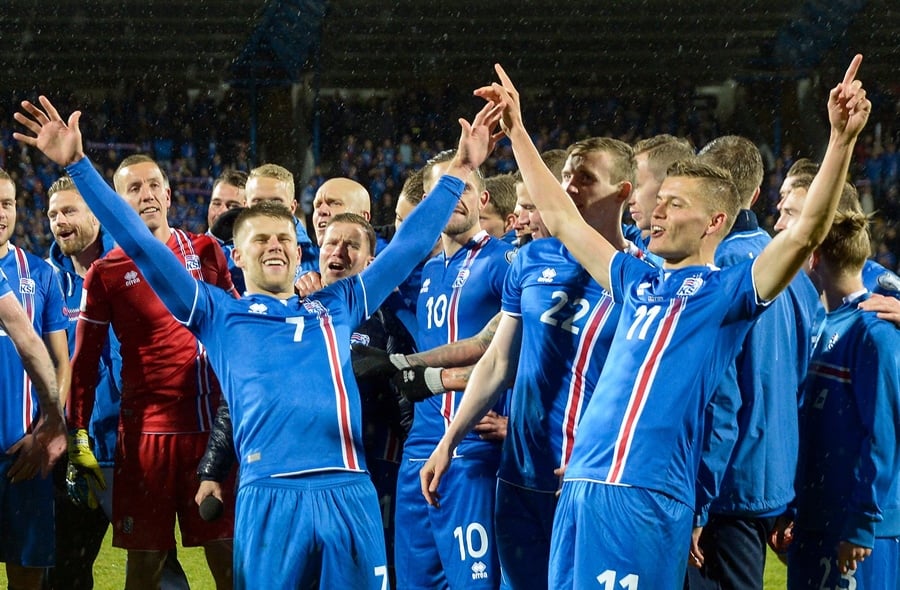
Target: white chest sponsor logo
[{"x": 547, "y": 275}]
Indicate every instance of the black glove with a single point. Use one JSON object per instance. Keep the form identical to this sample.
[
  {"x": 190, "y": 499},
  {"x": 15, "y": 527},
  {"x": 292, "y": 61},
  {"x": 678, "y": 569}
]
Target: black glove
[
  {"x": 369, "y": 362},
  {"x": 418, "y": 383}
]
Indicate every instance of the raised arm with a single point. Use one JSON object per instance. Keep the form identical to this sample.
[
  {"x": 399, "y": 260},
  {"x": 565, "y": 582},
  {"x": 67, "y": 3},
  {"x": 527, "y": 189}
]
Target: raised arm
[
  {"x": 62, "y": 143},
  {"x": 416, "y": 237},
  {"x": 558, "y": 211},
  {"x": 848, "y": 111}
]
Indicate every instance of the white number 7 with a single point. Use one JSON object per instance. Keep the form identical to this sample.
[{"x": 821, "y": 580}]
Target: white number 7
[{"x": 298, "y": 332}]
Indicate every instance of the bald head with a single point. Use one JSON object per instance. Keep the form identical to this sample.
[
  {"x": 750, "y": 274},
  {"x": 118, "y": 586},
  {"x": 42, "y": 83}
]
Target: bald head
[{"x": 335, "y": 196}]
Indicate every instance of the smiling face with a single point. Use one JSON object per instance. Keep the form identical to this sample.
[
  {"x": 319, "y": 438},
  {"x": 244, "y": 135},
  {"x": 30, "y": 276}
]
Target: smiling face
[
  {"x": 71, "y": 222},
  {"x": 7, "y": 211},
  {"x": 224, "y": 197},
  {"x": 345, "y": 251},
  {"x": 586, "y": 178},
  {"x": 265, "y": 248},
  {"x": 680, "y": 221},
  {"x": 143, "y": 186}
]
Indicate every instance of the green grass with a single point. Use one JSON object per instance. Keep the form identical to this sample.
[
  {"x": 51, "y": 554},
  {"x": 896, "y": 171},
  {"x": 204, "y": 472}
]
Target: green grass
[{"x": 109, "y": 569}]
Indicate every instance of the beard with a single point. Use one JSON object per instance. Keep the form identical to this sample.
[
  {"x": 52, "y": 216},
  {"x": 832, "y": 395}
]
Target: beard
[{"x": 75, "y": 245}]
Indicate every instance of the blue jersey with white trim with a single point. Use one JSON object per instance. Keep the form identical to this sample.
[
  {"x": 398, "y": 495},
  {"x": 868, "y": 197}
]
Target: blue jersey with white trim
[
  {"x": 284, "y": 365},
  {"x": 35, "y": 284},
  {"x": 677, "y": 331},
  {"x": 4, "y": 284},
  {"x": 458, "y": 297},
  {"x": 847, "y": 479},
  {"x": 768, "y": 373},
  {"x": 567, "y": 321}
]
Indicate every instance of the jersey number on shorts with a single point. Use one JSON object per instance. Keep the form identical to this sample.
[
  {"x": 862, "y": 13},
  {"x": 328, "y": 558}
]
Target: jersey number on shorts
[
  {"x": 825, "y": 562},
  {"x": 562, "y": 320},
  {"x": 609, "y": 577},
  {"x": 473, "y": 543}
]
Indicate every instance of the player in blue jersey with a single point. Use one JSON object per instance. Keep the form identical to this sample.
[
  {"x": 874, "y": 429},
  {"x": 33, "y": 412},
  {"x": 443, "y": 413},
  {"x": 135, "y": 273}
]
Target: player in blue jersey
[
  {"x": 227, "y": 194},
  {"x": 497, "y": 217},
  {"x": 552, "y": 339},
  {"x": 460, "y": 293},
  {"x": 757, "y": 483},
  {"x": 307, "y": 512},
  {"x": 654, "y": 155},
  {"x": 846, "y": 520},
  {"x": 81, "y": 520},
  {"x": 28, "y": 505},
  {"x": 877, "y": 279},
  {"x": 631, "y": 477}
]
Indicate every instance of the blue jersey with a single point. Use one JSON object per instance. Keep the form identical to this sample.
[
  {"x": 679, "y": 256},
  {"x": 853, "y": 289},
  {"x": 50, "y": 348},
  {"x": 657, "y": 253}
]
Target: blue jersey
[
  {"x": 880, "y": 280},
  {"x": 677, "y": 332},
  {"x": 767, "y": 373},
  {"x": 108, "y": 393},
  {"x": 35, "y": 283},
  {"x": 568, "y": 322},
  {"x": 847, "y": 480},
  {"x": 4, "y": 284},
  {"x": 300, "y": 381},
  {"x": 458, "y": 297}
]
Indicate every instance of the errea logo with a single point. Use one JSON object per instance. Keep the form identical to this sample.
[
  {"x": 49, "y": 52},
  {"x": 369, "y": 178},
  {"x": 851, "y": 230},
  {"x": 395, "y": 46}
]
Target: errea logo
[
  {"x": 479, "y": 571},
  {"x": 425, "y": 284},
  {"x": 547, "y": 275},
  {"x": 259, "y": 308},
  {"x": 132, "y": 278}
]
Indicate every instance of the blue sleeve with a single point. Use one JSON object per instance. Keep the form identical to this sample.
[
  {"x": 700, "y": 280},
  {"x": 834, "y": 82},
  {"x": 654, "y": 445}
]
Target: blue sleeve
[
  {"x": 511, "y": 302},
  {"x": 172, "y": 283},
  {"x": 876, "y": 387},
  {"x": 55, "y": 318},
  {"x": 413, "y": 241}
]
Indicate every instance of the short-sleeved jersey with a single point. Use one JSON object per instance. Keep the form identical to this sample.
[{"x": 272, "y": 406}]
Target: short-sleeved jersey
[
  {"x": 768, "y": 373},
  {"x": 847, "y": 479},
  {"x": 677, "y": 331},
  {"x": 35, "y": 284},
  {"x": 167, "y": 383},
  {"x": 458, "y": 297},
  {"x": 568, "y": 322},
  {"x": 108, "y": 392}
]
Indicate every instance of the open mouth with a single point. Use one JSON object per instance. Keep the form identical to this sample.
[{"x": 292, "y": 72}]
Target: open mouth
[{"x": 656, "y": 231}]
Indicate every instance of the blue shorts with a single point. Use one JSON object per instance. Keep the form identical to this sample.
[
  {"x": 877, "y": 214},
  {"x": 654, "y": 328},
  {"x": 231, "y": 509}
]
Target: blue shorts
[
  {"x": 812, "y": 563},
  {"x": 523, "y": 521},
  {"x": 620, "y": 536},
  {"x": 322, "y": 529},
  {"x": 452, "y": 545},
  {"x": 27, "y": 536}
]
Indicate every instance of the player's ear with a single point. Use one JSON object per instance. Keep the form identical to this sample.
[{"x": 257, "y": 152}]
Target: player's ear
[
  {"x": 237, "y": 256},
  {"x": 626, "y": 190},
  {"x": 716, "y": 223}
]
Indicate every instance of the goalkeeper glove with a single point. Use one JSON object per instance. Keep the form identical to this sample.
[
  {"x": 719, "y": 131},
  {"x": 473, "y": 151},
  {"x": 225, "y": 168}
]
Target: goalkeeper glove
[
  {"x": 82, "y": 459},
  {"x": 369, "y": 361},
  {"x": 81, "y": 488},
  {"x": 418, "y": 383}
]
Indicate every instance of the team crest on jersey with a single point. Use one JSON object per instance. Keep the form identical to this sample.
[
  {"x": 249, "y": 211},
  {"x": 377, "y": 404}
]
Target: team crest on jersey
[
  {"x": 425, "y": 284},
  {"x": 313, "y": 306},
  {"x": 132, "y": 278},
  {"x": 547, "y": 275},
  {"x": 690, "y": 286},
  {"x": 461, "y": 278},
  {"x": 259, "y": 308},
  {"x": 357, "y": 338},
  {"x": 192, "y": 262},
  {"x": 26, "y": 286}
]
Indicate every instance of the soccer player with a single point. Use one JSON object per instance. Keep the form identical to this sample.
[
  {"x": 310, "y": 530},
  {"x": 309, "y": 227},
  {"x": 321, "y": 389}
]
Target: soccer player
[
  {"x": 271, "y": 182},
  {"x": 556, "y": 327},
  {"x": 497, "y": 218},
  {"x": 461, "y": 289},
  {"x": 846, "y": 525},
  {"x": 631, "y": 477},
  {"x": 757, "y": 482},
  {"x": 301, "y": 504},
  {"x": 335, "y": 196},
  {"x": 81, "y": 526},
  {"x": 654, "y": 155},
  {"x": 227, "y": 193},
  {"x": 169, "y": 392},
  {"x": 28, "y": 538}
]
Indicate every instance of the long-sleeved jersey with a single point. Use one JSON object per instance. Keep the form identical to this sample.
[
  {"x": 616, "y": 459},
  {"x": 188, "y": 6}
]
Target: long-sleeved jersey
[
  {"x": 293, "y": 399},
  {"x": 848, "y": 479}
]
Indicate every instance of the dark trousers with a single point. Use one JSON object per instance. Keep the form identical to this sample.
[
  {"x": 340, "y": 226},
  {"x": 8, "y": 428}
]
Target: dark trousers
[{"x": 734, "y": 554}]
